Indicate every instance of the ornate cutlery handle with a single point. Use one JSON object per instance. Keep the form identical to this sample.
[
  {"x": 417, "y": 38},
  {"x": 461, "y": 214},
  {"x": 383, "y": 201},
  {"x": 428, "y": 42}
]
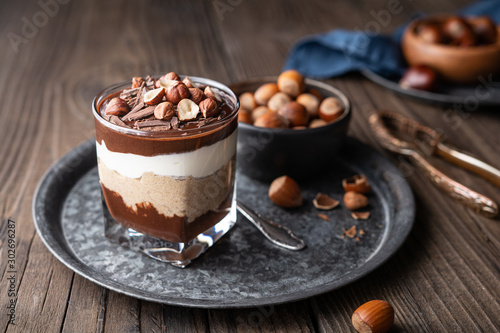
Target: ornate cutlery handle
[{"x": 473, "y": 200}]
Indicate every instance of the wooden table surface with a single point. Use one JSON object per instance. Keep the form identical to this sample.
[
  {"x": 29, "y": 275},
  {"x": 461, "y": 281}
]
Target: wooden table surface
[{"x": 446, "y": 277}]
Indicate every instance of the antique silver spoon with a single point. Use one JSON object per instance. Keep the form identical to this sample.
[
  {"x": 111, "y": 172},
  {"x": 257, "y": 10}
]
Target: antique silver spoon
[{"x": 276, "y": 233}]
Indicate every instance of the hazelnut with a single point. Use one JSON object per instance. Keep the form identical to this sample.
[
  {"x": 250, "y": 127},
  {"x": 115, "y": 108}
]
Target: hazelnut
[
  {"x": 187, "y": 110},
  {"x": 373, "y": 317},
  {"x": 209, "y": 92},
  {"x": 317, "y": 123},
  {"x": 176, "y": 92},
  {"x": 299, "y": 127},
  {"x": 484, "y": 29},
  {"x": 459, "y": 32},
  {"x": 247, "y": 101},
  {"x": 137, "y": 81},
  {"x": 356, "y": 183},
  {"x": 259, "y": 111},
  {"x": 264, "y": 93},
  {"x": 291, "y": 82},
  {"x": 196, "y": 95},
  {"x": 187, "y": 81},
  {"x": 295, "y": 113},
  {"x": 278, "y": 100},
  {"x": 430, "y": 33},
  {"x": 117, "y": 107},
  {"x": 271, "y": 120},
  {"x": 154, "y": 96},
  {"x": 172, "y": 76},
  {"x": 418, "y": 77},
  {"x": 354, "y": 200},
  {"x": 330, "y": 109},
  {"x": 324, "y": 202},
  {"x": 164, "y": 111},
  {"x": 162, "y": 82},
  {"x": 285, "y": 192},
  {"x": 310, "y": 102},
  {"x": 245, "y": 116},
  {"x": 209, "y": 107}
]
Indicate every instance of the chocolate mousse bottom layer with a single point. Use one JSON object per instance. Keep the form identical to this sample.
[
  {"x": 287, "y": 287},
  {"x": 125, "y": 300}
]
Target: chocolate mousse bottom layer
[{"x": 175, "y": 209}]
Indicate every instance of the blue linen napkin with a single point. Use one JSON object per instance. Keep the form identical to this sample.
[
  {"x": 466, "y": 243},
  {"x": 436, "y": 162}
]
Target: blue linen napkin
[{"x": 340, "y": 51}]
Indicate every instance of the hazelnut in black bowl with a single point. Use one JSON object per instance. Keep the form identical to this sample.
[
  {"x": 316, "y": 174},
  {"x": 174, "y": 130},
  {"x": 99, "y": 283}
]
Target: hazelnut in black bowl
[{"x": 289, "y": 126}]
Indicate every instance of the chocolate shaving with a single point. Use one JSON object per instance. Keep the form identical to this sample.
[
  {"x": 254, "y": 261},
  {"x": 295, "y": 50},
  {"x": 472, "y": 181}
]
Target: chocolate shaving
[
  {"x": 151, "y": 123},
  {"x": 136, "y": 109},
  {"x": 127, "y": 93},
  {"x": 174, "y": 122},
  {"x": 140, "y": 114},
  {"x": 157, "y": 128},
  {"x": 117, "y": 121},
  {"x": 150, "y": 83},
  {"x": 138, "y": 99}
]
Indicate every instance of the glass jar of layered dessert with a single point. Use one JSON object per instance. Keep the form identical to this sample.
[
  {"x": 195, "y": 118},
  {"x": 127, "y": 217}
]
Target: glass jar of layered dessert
[{"x": 166, "y": 158}]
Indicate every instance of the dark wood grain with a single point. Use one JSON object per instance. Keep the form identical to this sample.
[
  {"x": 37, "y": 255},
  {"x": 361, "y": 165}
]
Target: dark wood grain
[{"x": 445, "y": 278}]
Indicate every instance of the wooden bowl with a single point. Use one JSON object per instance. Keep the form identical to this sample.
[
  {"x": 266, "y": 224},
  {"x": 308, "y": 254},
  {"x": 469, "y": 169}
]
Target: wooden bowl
[{"x": 452, "y": 63}]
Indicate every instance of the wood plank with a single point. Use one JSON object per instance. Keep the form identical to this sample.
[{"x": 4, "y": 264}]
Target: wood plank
[
  {"x": 86, "y": 308},
  {"x": 122, "y": 313}
]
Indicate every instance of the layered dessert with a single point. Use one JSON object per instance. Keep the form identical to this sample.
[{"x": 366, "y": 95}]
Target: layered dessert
[{"x": 166, "y": 155}]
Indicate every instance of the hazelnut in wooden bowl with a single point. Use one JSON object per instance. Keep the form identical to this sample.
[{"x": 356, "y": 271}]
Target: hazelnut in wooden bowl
[
  {"x": 296, "y": 133},
  {"x": 460, "y": 50}
]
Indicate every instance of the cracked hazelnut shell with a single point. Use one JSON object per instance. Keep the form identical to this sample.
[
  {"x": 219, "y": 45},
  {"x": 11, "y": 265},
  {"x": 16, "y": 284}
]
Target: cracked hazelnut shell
[{"x": 356, "y": 183}]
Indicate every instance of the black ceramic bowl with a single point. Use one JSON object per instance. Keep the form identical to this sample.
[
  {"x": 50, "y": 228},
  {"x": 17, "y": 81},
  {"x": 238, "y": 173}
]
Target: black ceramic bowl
[{"x": 265, "y": 153}]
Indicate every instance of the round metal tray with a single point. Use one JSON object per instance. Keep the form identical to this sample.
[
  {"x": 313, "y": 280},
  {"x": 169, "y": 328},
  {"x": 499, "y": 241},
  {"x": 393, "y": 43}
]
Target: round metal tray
[{"x": 243, "y": 269}]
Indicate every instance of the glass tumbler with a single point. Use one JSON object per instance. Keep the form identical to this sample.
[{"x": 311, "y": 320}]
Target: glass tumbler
[{"x": 170, "y": 194}]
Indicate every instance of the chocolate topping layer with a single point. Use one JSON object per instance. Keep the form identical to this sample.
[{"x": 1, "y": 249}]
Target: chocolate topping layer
[
  {"x": 139, "y": 132},
  {"x": 152, "y": 146}
]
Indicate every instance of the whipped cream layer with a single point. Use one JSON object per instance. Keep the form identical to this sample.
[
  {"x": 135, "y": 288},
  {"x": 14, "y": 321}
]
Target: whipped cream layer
[{"x": 199, "y": 163}]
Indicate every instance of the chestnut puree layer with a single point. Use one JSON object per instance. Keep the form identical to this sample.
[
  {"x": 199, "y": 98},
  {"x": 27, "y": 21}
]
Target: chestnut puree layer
[{"x": 167, "y": 142}]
